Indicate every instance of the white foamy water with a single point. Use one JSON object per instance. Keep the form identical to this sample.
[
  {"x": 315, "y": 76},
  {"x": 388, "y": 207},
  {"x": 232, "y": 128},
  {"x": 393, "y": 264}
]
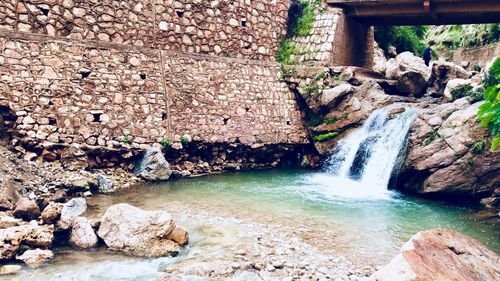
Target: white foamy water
[{"x": 365, "y": 161}]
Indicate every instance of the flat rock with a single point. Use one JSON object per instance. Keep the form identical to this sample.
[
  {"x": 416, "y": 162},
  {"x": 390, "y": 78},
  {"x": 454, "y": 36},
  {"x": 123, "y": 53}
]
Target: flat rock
[
  {"x": 10, "y": 269},
  {"x": 36, "y": 258},
  {"x": 444, "y": 255}
]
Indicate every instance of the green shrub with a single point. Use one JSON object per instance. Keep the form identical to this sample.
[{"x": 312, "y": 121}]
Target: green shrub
[
  {"x": 322, "y": 74},
  {"x": 461, "y": 91},
  {"x": 305, "y": 21},
  {"x": 312, "y": 88},
  {"x": 185, "y": 139},
  {"x": 479, "y": 146},
  {"x": 489, "y": 112},
  {"x": 285, "y": 52},
  {"x": 125, "y": 139},
  {"x": 326, "y": 136},
  {"x": 404, "y": 38},
  {"x": 166, "y": 143},
  {"x": 331, "y": 120}
]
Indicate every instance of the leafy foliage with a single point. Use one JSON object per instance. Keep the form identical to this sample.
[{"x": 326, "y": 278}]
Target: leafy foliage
[
  {"x": 285, "y": 52},
  {"x": 185, "y": 139},
  {"x": 166, "y": 143},
  {"x": 404, "y": 38},
  {"x": 461, "y": 91},
  {"x": 125, "y": 140},
  {"x": 489, "y": 112},
  {"x": 326, "y": 136}
]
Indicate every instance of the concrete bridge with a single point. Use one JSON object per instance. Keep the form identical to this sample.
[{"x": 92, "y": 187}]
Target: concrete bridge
[
  {"x": 354, "y": 35},
  {"x": 420, "y": 12}
]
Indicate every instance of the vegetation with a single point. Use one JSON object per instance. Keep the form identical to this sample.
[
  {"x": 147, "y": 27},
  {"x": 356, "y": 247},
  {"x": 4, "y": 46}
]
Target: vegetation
[
  {"x": 185, "y": 139},
  {"x": 489, "y": 112},
  {"x": 479, "y": 146},
  {"x": 404, "y": 38},
  {"x": 300, "y": 23},
  {"x": 326, "y": 136},
  {"x": 433, "y": 135},
  {"x": 312, "y": 88},
  {"x": 166, "y": 144},
  {"x": 125, "y": 140},
  {"x": 331, "y": 120},
  {"x": 466, "y": 90}
]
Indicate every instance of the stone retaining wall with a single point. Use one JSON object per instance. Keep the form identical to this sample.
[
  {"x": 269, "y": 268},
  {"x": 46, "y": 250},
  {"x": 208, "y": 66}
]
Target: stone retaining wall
[
  {"x": 243, "y": 28},
  {"x": 73, "y": 91}
]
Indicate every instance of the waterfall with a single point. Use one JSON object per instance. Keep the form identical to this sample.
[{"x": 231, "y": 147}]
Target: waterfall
[{"x": 364, "y": 162}]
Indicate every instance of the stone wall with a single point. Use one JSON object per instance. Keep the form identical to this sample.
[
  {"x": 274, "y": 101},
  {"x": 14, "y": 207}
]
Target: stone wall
[
  {"x": 480, "y": 56},
  {"x": 243, "y": 28},
  {"x": 73, "y": 91}
]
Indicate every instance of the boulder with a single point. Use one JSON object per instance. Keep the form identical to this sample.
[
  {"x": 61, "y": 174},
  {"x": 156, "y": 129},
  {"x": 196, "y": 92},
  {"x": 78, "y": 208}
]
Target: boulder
[
  {"x": 52, "y": 213},
  {"x": 5, "y": 204},
  {"x": 8, "y": 221},
  {"x": 10, "y": 269},
  {"x": 379, "y": 60},
  {"x": 452, "y": 84},
  {"x": 448, "y": 155},
  {"x": 31, "y": 235},
  {"x": 70, "y": 210},
  {"x": 26, "y": 209},
  {"x": 8, "y": 194},
  {"x": 82, "y": 234},
  {"x": 331, "y": 97},
  {"x": 36, "y": 258},
  {"x": 179, "y": 235},
  {"x": 137, "y": 232},
  {"x": 411, "y": 73},
  {"x": 442, "y": 72},
  {"x": 444, "y": 255},
  {"x": 153, "y": 166}
]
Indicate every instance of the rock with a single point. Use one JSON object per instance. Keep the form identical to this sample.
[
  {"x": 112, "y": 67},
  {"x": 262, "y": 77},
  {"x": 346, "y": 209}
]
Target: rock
[
  {"x": 36, "y": 258},
  {"x": 411, "y": 72},
  {"x": 379, "y": 60},
  {"x": 392, "y": 52},
  {"x": 71, "y": 209},
  {"x": 136, "y": 232},
  {"x": 331, "y": 97},
  {"x": 442, "y": 72},
  {"x": 26, "y": 209},
  {"x": 8, "y": 221},
  {"x": 82, "y": 234},
  {"x": 179, "y": 235},
  {"x": 52, "y": 213},
  {"x": 444, "y": 255},
  {"x": 105, "y": 184},
  {"x": 31, "y": 235},
  {"x": 452, "y": 84},
  {"x": 9, "y": 269},
  {"x": 5, "y": 204},
  {"x": 153, "y": 166}
]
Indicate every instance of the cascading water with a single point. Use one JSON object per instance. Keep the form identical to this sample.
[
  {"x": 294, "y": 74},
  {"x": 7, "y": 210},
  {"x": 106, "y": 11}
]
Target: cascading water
[{"x": 364, "y": 162}]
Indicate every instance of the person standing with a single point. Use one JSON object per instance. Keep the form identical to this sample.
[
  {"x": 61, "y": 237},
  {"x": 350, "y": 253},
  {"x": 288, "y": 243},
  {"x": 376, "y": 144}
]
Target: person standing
[{"x": 427, "y": 55}]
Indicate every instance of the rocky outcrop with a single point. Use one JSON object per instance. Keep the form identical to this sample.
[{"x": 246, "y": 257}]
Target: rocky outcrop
[
  {"x": 82, "y": 234},
  {"x": 442, "y": 72},
  {"x": 444, "y": 255},
  {"x": 448, "y": 154},
  {"x": 153, "y": 166},
  {"x": 36, "y": 258},
  {"x": 30, "y": 235},
  {"x": 411, "y": 73},
  {"x": 26, "y": 209},
  {"x": 136, "y": 232}
]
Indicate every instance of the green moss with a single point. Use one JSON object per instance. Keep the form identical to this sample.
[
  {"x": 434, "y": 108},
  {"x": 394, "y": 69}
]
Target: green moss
[
  {"x": 479, "y": 146},
  {"x": 185, "y": 140},
  {"x": 311, "y": 89},
  {"x": 432, "y": 136},
  {"x": 321, "y": 75},
  {"x": 285, "y": 52},
  {"x": 125, "y": 140},
  {"x": 326, "y": 136},
  {"x": 166, "y": 143}
]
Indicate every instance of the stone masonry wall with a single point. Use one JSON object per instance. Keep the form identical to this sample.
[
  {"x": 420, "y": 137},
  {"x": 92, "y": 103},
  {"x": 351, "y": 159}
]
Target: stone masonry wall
[
  {"x": 72, "y": 91},
  {"x": 243, "y": 29}
]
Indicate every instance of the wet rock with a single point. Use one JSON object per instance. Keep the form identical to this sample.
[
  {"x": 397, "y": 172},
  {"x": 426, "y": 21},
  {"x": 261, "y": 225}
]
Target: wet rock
[
  {"x": 153, "y": 166},
  {"x": 5, "y": 204},
  {"x": 71, "y": 209},
  {"x": 26, "y": 209},
  {"x": 105, "y": 184},
  {"x": 411, "y": 72},
  {"x": 82, "y": 234},
  {"x": 31, "y": 235},
  {"x": 179, "y": 235},
  {"x": 441, "y": 254},
  {"x": 442, "y": 72},
  {"x": 52, "y": 213},
  {"x": 136, "y": 232},
  {"x": 36, "y": 258}
]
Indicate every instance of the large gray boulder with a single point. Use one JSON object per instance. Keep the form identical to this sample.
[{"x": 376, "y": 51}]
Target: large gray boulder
[
  {"x": 154, "y": 166},
  {"x": 137, "y": 232},
  {"x": 411, "y": 73},
  {"x": 331, "y": 97},
  {"x": 444, "y": 255}
]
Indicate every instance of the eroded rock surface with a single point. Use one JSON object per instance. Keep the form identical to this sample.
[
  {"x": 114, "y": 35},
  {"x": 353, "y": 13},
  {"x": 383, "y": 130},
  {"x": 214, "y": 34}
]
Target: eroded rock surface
[
  {"x": 137, "y": 232},
  {"x": 411, "y": 73},
  {"x": 444, "y": 255},
  {"x": 153, "y": 166},
  {"x": 82, "y": 234}
]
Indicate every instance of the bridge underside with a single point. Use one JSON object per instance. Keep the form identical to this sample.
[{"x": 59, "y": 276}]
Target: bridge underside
[{"x": 420, "y": 12}]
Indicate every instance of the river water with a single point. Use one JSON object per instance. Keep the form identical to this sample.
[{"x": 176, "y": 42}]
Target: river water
[{"x": 217, "y": 209}]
